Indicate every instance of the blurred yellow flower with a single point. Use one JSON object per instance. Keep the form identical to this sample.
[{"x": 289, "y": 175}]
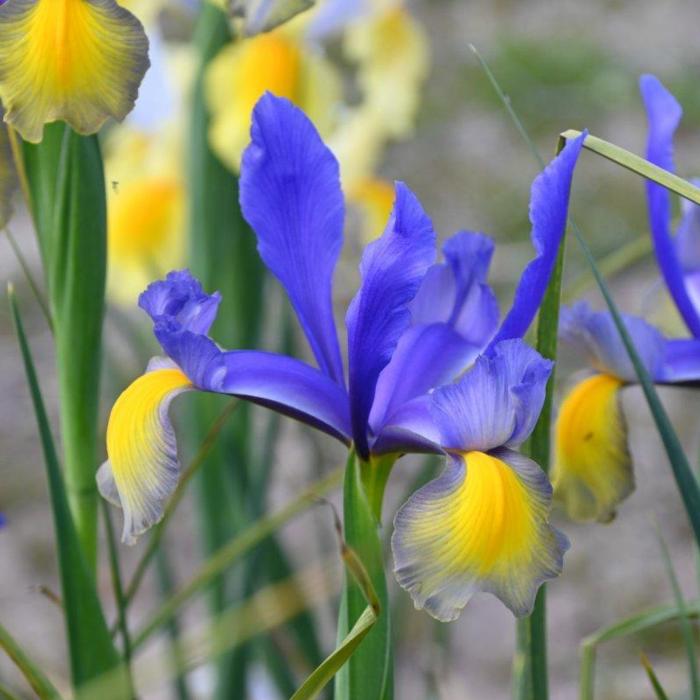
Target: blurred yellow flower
[
  {"x": 279, "y": 62},
  {"x": 81, "y": 61}
]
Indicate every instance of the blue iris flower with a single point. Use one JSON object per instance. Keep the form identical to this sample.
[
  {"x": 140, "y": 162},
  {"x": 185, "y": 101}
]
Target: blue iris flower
[{"x": 414, "y": 326}]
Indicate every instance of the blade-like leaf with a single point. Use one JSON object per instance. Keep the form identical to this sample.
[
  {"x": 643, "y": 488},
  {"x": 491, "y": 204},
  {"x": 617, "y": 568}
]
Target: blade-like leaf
[
  {"x": 629, "y": 626},
  {"x": 653, "y": 679},
  {"x": 90, "y": 645},
  {"x": 39, "y": 683}
]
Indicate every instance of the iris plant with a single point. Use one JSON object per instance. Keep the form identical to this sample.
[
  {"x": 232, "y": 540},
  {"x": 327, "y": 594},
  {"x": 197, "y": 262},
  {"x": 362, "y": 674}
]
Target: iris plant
[
  {"x": 593, "y": 468},
  {"x": 413, "y": 328}
]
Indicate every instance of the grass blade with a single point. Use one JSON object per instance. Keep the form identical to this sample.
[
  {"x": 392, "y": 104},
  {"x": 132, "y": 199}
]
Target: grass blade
[
  {"x": 651, "y": 674},
  {"x": 686, "y": 627},
  {"x": 640, "y": 622},
  {"x": 90, "y": 645},
  {"x": 39, "y": 683},
  {"x": 234, "y": 550}
]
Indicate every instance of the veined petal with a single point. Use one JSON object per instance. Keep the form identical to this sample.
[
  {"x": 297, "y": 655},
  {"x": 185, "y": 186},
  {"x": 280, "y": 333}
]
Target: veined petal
[
  {"x": 77, "y": 60},
  {"x": 142, "y": 470},
  {"x": 496, "y": 403},
  {"x": 592, "y": 469},
  {"x": 664, "y": 115},
  {"x": 243, "y": 71},
  {"x": 595, "y": 333},
  {"x": 290, "y": 195},
  {"x": 182, "y": 313},
  {"x": 392, "y": 268},
  {"x": 483, "y": 525},
  {"x": 549, "y": 207}
]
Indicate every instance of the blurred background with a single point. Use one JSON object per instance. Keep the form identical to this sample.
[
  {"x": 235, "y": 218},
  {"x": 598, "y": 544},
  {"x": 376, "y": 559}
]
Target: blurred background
[{"x": 564, "y": 64}]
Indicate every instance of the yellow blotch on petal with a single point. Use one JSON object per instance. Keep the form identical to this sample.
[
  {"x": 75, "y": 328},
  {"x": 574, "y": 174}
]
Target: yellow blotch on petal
[
  {"x": 81, "y": 61},
  {"x": 142, "y": 470},
  {"x": 593, "y": 470},
  {"x": 481, "y": 526},
  {"x": 243, "y": 71}
]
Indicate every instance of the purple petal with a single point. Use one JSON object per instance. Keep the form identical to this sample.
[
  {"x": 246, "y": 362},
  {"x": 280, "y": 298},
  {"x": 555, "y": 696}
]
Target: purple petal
[
  {"x": 664, "y": 114},
  {"x": 411, "y": 429},
  {"x": 681, "y": 361},
  {"x": 549, "y": 207},
  {"x": 595, "y": 334},
  {"x": 392, "y": 268},
  {"x": 496, "y": 403},
  {"x": 290, "y": 195}
]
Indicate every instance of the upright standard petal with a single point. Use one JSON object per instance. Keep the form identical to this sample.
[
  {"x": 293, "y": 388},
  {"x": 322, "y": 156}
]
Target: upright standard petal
[
  {"x": 483, "y": 525},
  {"x": 290, "y": 195},
  {"x": 595, "y": 333},
  {"x": 183, "y": 313},
  {"x": 142, "y": 470},
  {"x": 688, "y": 248},
  {"x": 454, "y": 314},
  {"x": 81, "y": 61},
  {"x": 392, "y": 268},
  {"x": 592, "y": 470},
  {"x": 496, "y": 403},
  {"x": 664, "y": 114},
  {"x": 549, "y": 208}
]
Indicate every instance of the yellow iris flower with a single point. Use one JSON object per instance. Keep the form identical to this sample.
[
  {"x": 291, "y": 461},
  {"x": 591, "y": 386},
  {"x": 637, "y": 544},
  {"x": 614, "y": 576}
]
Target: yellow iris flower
[{"x": 80, "y": 61}]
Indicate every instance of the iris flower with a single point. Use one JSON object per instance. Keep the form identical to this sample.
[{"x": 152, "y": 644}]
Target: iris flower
[
  {"x": 413, "y": 326},
  {"x": 80, "y": 61},
  {"x": 593, "y": 468}
]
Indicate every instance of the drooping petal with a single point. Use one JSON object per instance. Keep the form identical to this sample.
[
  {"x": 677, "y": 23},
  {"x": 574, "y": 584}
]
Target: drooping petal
[
  {"x": 482, "y": 525},
  {"x": 496, "y": 403},
  {"x": 592, "y": 470},
  {"x": 81, "y": 61},
  {"x": 290, "y": 195},
  {"x": 594, "y": 333},
  {"x": 142, "y": 470},
  {"x": 244, "y": 70},
  {"x": 549, "y": 207},
  {"x": 664, "y": 114},
  {"x": 183, "y": 313},
  {"x": 392, "y": 268}
]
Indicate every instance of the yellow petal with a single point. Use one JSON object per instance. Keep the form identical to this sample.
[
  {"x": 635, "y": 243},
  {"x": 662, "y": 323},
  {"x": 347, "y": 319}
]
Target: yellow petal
[
  {"x": 243, "y": 71},
  {"x": 77, "y": 60},
  {"x": 142, "y": 470},
  {"x": 392, "y": 52},
  {"x": 483, "y": 525},
  {"x": 593, "y": 469}
]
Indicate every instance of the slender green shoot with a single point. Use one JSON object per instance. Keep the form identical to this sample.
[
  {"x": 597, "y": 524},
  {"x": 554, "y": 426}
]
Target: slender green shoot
[{"x": 653, "y": 679}]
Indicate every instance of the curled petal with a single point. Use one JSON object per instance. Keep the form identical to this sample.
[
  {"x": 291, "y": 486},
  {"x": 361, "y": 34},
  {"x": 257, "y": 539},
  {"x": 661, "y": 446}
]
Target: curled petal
[
  {"x": 593, "y": 469},
  {"x": 664, "y": 115},
  {"x": 549, "y": 208},
  {"x": 495, "y": 403},
  {"x": 142, "y": 470},
  {"x": 290, "y": 195},
  {"x": 392, "y": 268},
  {"x": 81, "y": 61},
  {"x": 595, "y": 333},
  {"x": 482, "y": 525}
]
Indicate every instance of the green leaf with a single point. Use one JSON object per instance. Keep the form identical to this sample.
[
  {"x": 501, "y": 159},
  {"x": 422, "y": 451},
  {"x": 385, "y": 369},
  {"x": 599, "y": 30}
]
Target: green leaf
[
  {"x": 234, "y": 550},
  {"x": 369, "y": 671},
  {"x": 653, "y": 679},
  {"x": 39, "y": 683},
  {"x": 89, "y": 642},
  {"x": 626, "y": 627},
  {"x": 686, "y": 627}
]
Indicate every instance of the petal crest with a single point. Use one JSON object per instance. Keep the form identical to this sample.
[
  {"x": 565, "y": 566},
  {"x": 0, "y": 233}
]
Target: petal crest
[
  {"x": 81, "y": 61},
  {"x": 142, "y": 470},
  {"x": 482, "y": 525},
  {"x": 592, "y": 470}
]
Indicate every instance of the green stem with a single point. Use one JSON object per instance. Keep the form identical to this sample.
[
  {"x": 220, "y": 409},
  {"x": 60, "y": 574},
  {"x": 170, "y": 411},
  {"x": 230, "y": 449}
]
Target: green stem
[{"x": 369, "y": 671}]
